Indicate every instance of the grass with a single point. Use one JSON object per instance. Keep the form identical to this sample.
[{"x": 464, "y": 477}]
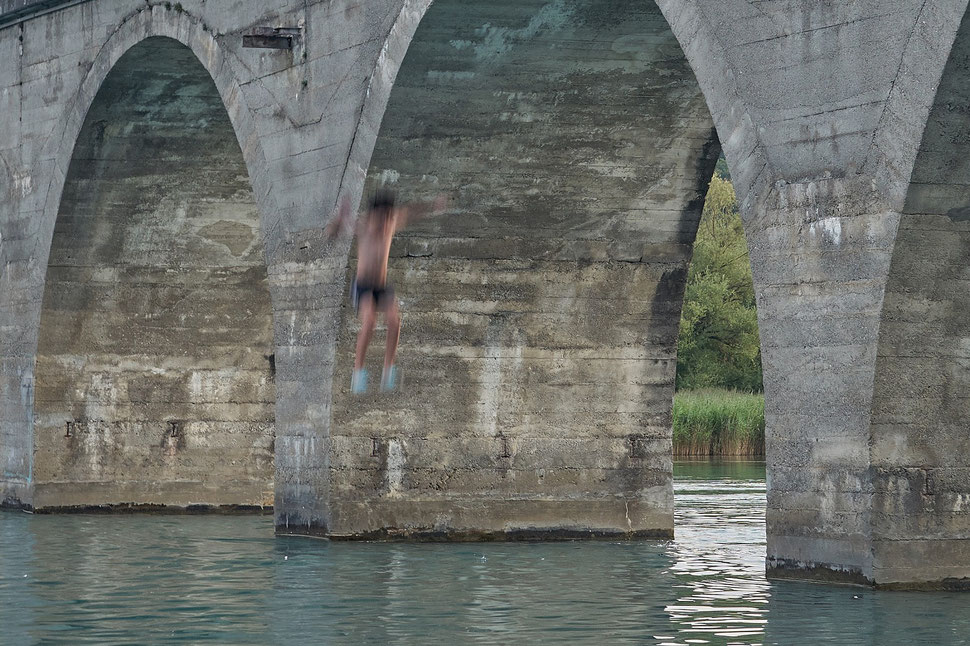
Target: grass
[{"x": 719, "y": 422}]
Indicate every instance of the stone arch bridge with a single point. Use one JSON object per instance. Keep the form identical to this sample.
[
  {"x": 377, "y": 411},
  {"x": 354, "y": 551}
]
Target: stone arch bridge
[{"x": 173, "y": 323}]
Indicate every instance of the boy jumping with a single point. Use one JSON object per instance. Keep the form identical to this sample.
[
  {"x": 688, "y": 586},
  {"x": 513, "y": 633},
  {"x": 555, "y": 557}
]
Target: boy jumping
[{"x": 371, "y": 291}]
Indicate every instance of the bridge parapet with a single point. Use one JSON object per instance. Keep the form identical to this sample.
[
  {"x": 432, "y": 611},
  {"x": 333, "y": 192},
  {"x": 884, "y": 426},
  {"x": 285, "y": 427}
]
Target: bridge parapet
[{"x": 13, "y": 11}]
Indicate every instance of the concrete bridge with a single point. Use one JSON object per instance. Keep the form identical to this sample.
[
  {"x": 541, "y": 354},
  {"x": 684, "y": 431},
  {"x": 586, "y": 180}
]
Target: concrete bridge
[{"x": 174, "y": 328}]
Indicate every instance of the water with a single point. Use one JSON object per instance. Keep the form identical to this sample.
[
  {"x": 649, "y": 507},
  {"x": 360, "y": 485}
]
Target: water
[{"x": 193, "y": 579}]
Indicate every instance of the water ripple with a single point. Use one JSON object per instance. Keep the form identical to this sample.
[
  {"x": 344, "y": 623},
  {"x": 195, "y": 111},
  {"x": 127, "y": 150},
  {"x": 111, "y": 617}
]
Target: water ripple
[{"x": 192, "y": 579}]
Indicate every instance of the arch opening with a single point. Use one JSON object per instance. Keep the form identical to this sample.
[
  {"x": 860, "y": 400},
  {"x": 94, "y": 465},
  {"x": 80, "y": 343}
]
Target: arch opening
[
  {"x": 719, "y": 406},
  {"x": 919, "y": 449},
  {"x": 541, "y": 315},
  {"x": 154, "y": 375}
]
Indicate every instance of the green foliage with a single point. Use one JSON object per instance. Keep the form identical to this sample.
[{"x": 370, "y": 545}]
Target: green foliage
[
  {"x": 722, "y": 169},
  {"x": 718, "y": 344},
  {"x": 719, "y": 422}
]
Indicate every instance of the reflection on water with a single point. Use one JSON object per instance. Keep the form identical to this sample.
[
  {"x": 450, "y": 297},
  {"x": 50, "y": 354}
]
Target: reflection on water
[
  {"x": 719, "y": 554},
  {"x": 182, "y": 580}
]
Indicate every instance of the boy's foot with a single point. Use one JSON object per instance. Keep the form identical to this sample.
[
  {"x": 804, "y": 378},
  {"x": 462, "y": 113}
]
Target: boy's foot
[
  {"x": 358, "y": 383},
  {"x": 389, "y": 379}
]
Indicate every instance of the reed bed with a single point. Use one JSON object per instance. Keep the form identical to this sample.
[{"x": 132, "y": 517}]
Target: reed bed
[{"x": 719, "y": 423}]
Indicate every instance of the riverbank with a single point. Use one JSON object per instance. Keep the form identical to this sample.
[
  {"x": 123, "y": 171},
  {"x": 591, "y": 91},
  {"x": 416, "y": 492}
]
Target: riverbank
[{"x": 719, "y": 423}]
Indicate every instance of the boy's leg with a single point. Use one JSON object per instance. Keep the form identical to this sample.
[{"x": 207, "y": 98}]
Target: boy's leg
[
  {"x": 368, "y": 319},
  {"x": 367, "y": 309},
  {"x": 392, "y": 316}
]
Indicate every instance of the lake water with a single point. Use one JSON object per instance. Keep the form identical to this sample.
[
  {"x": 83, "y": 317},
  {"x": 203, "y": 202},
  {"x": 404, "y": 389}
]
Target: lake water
[{"x": 197, "y": 579}]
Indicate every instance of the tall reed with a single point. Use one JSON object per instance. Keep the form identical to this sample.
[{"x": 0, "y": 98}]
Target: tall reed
[{"x": 719, "y": 422}]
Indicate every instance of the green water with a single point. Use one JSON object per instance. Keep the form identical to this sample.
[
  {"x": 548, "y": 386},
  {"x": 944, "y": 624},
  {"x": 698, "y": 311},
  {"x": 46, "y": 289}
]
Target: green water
[{"x": 192, "y": 579}]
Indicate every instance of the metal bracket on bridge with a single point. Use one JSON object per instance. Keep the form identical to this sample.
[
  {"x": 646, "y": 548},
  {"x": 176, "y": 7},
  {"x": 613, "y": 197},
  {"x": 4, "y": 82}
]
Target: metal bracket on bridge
[{"x": 271, "y": 37}]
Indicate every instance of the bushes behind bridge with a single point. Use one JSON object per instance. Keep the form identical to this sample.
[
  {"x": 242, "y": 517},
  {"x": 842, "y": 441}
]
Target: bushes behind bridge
[
  {"x": 719, "y": 409},
  {"x": 719, "y": 422},
  {"x": 718, "y": 345}
]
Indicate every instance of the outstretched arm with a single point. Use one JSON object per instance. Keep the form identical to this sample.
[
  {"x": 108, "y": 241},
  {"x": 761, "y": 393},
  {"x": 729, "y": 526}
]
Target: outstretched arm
[
  {"x": 341, "y": 221},
  {"x": 418, "y": 210}
]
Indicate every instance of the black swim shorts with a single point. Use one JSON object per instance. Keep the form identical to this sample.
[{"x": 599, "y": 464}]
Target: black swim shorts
[{"x": 383, "y": 294}]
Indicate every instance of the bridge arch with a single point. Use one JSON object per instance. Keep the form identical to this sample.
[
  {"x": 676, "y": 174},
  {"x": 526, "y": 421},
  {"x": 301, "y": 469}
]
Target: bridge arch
[
  {"x": 920, "y": 452},
  {"x": 741, "y": 144},
  {"x": 899, "y": 134},
  {"x": 541, "y": 347},
  {"x": 156, "y": 282},
  {"x": 180, "y": 25}
]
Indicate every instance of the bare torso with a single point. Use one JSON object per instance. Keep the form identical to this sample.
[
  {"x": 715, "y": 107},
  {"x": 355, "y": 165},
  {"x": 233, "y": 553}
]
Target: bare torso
[{"x": 374, "y": 235}]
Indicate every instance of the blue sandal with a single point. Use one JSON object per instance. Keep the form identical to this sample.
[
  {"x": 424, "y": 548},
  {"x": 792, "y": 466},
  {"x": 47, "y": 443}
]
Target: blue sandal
[
  {"x": 389, "y": 379},
  {"x": 358, "y": 383}
]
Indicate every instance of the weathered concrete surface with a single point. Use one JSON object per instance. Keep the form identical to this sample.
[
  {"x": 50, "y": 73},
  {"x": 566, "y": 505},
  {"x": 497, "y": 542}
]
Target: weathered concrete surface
[
  {"x": 820, "y": 108},
  {"x": 839, "y": 139},
  {"x": 17, "y": 10},
  {"x": 542, "y": 311},
  {"x": 293, "y": 114},
  {"x": 153, "y": 381},
  {"x": 920, "y": 445}
]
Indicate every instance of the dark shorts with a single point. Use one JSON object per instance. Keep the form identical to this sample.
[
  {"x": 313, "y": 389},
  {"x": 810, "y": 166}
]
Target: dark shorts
[{"x": 383, "y": 295}]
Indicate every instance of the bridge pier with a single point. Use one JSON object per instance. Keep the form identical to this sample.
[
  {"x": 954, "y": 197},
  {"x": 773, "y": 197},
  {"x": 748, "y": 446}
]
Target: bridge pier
[
  {"x": 819, "y": 311},
  {"x": 542, "y": 311}
]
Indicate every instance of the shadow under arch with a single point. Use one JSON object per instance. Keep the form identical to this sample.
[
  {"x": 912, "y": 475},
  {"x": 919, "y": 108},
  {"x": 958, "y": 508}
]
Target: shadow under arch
[
  {"x": 919, "y": 450},
  {"x": 539, "y": 344},
  {"x": 154, "y": 381}
]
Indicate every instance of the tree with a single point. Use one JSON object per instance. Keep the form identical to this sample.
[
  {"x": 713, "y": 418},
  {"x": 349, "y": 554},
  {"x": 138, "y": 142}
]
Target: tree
[{"x": 718, "y": 344}]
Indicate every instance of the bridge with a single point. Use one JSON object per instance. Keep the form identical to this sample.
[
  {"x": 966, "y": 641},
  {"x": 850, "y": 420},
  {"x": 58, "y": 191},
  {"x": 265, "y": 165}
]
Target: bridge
[{"x": 174, "y": 327}]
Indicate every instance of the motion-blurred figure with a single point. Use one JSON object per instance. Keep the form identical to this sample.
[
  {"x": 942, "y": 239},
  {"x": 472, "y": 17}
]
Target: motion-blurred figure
[{"x": 371, "y": 291}]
